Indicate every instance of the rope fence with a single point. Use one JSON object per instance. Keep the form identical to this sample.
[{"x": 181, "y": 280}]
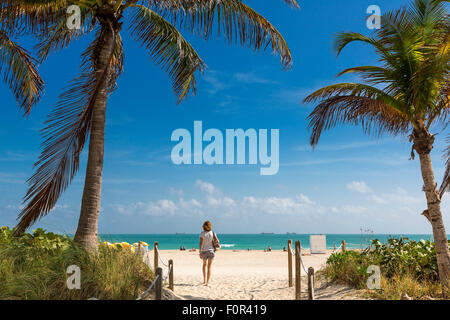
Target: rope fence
[
  {"x": 146, "y": 292},
  {"x": 299, "y": 264},
  {"x": 159, "y": 278},
  {"x": 160, "y": 259},
  {"x": 301, "y": 261},
  {"x": 297, "y": 254}
]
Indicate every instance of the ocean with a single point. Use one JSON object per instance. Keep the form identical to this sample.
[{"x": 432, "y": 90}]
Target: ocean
[{"x": 256, "y": 241}]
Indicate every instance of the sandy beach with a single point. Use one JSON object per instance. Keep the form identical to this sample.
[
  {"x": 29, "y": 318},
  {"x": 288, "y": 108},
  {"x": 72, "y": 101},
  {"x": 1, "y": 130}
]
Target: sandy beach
[{"x": 244, "y": 275}]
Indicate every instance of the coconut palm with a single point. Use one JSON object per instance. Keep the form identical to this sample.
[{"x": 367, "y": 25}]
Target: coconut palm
[
  {"x": 81, "y": 109},
  {"x": 408, "y": 94},
  {"x": 18, "y": 67}
]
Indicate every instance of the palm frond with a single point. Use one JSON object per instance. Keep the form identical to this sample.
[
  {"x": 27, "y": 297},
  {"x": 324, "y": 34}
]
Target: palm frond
[
  {"x": 65, "y": 134},
  {"x": 177, "y": 4},
  {"x": 445, "y": 185},
  {"x": 19, "y": 72},
  {"x": 168, "y": 47},
  {"x": 427, "y": 13},
  {"x": 431, "y": 79},
  {"x": 58, "y": 36},
  {"x": 413, "y": 47},
  {"x": 292, "y": 3},
  {"x": 343, "y": 39},
  {"x": 372, "y": 74},
  {"x": 31, "y": 15},
  {"x": 355, "y": 104},
  {"x": 238, "y": 22}
]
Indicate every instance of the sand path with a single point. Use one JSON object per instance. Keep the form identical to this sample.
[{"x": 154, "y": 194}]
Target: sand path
[{"x": 247, "y": 275}]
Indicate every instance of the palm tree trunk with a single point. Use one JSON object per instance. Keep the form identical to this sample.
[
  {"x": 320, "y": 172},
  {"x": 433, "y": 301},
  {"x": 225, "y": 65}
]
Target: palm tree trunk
[
  {"x": 86, "y": 234},
  {"x": 423, "y": 143}
]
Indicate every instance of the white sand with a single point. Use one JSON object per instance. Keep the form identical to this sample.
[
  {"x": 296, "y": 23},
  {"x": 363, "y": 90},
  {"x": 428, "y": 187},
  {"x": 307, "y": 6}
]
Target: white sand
[{"x": 236, "y": 275}]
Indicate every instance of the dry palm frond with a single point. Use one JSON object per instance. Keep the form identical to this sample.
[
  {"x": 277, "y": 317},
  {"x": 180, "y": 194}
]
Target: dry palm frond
[
  {"x": 19, "y": 72},
  {"x": 32, "y": 15},
  {"x": 237, "y": 21},
  {"x": 178, "y": 5},
  {"x": 58, "y": 36}
]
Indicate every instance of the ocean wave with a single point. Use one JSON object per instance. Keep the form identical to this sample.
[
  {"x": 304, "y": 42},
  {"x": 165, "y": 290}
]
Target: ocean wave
[{"x": 227, "y": 245}]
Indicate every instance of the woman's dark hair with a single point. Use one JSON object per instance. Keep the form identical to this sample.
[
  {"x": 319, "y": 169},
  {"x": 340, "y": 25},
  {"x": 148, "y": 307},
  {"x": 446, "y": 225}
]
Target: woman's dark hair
[{"x": 207, "y": 226}]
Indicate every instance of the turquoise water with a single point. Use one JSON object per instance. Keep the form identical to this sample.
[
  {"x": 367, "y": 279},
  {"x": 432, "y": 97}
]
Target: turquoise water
[{"x": 256, "y": 241}]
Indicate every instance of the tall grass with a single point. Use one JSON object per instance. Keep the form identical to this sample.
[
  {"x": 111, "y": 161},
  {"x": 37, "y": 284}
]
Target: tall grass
[{"x": 34, "y": 266}]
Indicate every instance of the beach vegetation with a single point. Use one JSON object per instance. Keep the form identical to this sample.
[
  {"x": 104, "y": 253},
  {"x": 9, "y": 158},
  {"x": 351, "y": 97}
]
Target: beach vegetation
[
  {"x": 35, "y": 266},
  {"x": 406, "y": 266}
]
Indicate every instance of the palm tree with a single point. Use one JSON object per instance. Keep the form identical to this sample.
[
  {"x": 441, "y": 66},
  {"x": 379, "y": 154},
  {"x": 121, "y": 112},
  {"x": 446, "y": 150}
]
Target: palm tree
[
  {"x": 17, "y": 67},
  {"x": 81, "y": 109},
  {"x": 407, "y": 95}
]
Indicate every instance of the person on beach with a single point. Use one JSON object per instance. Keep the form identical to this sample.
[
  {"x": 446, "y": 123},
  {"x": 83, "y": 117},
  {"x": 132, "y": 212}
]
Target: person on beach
[{"x": 208, "y": 245}]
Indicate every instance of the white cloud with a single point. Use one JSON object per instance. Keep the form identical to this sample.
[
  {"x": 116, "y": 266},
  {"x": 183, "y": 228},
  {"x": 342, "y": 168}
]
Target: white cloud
[
  {"x": 12, "y": 156},
  {"x": 193, "y": 203},
  {"x": 252, "y": 78},
  {"x": 399, "y": 196},
  {"x": 12, "y": 178},
  {"x": 156, "y": 208},
  {"x": 300, "y": 204},
  {"x": 216, "y": 85},
  {"x": 215, "y": 203},
  {"x": 354, "y": 209},
  {"x": 359, "y": 186},
  {"x": 378, "y": 199},
  {"x": 305, "y": 199},
  {"x": 205, "y": 186},
  {"x": 175, "y": 191},
  {"x": 221, "y": 201}
]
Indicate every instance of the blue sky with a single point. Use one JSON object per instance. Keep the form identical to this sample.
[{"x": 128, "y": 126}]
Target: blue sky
[{"x": 350, "y": 181}]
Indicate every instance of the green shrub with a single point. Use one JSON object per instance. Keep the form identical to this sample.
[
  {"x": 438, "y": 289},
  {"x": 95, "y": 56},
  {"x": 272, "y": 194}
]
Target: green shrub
[
  {"x": 347, "y": 267},
  {"x": 399, "y": 256},
  {"x": 405, "y": 265},
  {"x": 34, "y": 266}
]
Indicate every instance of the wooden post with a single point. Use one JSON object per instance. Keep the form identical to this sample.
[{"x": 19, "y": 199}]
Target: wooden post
[
  {"x": 311, "y": 283},
  {"x": 171, "y": 274},
  {"x": 335, "y": 247},
  {"x": 139, "y": 248},
  {"x": 290, "y": 263},
  {"x": 155, "y": 251},
  {"x": 297, "y": 271},
  {"x": 343, "y": 245},
  {"x": 158, "y": 284}
]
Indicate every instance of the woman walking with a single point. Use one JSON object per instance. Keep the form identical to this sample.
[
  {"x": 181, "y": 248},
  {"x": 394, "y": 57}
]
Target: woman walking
[{"x": 209, "y": 243}]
